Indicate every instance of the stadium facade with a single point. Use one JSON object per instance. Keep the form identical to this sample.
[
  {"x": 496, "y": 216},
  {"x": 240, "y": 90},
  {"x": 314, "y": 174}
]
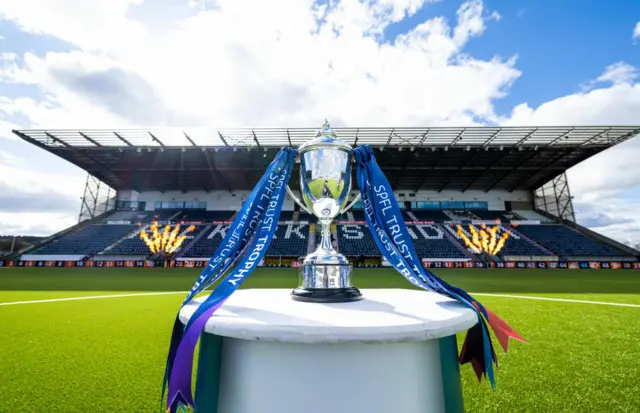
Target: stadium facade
[{"x": 514, "y": 177}]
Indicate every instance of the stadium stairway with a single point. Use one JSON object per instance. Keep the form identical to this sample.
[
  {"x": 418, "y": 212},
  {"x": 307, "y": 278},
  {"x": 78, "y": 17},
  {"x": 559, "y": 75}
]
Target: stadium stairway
[
  {"x": 130, "y": 235},
  {"x": 77, "y": 227},
  {"x": 187, "y": 247},
  {"x": 455, "y": 241}
]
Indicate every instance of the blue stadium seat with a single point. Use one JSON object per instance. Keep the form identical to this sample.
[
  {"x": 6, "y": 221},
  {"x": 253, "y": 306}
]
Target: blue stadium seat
[
  {"x": 89, "y": 240},
  {"x": 356, "y": 240},
  {"x": 431, "y": 241},
  {"x": 290, "y": 240},
  {"x": 566, "y": 242}
]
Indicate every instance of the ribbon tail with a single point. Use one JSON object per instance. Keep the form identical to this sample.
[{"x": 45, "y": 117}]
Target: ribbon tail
[
  {"x": 181, "y": 374},
  {"x": 502, "y": 330},
  {"x": 473, "y": 351}
]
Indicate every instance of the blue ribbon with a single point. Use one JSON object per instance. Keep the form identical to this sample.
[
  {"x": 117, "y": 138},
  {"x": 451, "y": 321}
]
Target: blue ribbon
[
  {"x": 390, "y": 234},
  {"x": 246, "y": 242}
]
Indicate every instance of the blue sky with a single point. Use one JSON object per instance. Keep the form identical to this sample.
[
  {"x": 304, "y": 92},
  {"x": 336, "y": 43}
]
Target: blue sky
[
  {"x": 158, "y": 63},
  {"x": 559, "y": 44}
]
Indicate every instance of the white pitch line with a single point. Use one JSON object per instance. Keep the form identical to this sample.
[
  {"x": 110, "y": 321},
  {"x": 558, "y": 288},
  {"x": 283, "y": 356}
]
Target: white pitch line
[
  {"x": 522, "y": 297},
  {"x": 93, "y": 297},
  {"x": 562, "y": 300}
]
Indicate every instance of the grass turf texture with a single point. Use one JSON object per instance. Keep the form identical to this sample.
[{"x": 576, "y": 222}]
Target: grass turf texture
[{"x": 108, "y": 355}]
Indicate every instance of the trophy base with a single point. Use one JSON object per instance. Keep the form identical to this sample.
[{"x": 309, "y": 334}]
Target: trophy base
[{"x": 326, "y": 295}]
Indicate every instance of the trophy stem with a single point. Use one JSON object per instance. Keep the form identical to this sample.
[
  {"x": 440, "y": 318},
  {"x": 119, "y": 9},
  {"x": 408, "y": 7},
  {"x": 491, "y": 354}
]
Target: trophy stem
[{"x": 325, "y": 236}]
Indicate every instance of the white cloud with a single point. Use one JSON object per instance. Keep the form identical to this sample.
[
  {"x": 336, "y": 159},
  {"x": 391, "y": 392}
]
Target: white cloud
[
  {"x": 598, "y": 182},
  {"x": 287, "y": 63},
  {"x": 636, "y": 32}
]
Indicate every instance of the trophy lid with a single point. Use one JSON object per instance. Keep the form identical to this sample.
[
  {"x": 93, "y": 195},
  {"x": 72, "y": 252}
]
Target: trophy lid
[{"x": 325, "y": 138}]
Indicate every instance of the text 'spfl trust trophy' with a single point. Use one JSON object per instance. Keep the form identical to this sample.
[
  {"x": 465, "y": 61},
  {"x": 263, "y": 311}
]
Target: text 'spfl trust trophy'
[{"x": 325, "y": 184}]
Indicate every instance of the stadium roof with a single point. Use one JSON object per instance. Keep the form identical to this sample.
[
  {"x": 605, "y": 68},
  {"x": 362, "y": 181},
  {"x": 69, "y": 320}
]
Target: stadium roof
[{"x": 413, "y": 158}]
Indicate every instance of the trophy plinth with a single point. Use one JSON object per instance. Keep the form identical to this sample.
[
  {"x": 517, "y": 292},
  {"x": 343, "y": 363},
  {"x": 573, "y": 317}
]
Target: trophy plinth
[{"x": 325, "y": 184}]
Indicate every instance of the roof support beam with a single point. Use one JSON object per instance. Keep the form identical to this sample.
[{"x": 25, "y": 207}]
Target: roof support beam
[
  {"x": 526, "y": 137},
  {"x": 457, "y": 138},
  {"x": 563, "y": 154},
  {"x": 510, "y": 171},
  {"x": 255, "y": 138},
  {"x": 90, "y": 140},
  {"x": 189, "y": 139},
  {"x": 215, "y": 174},
  {"x": 452, "y": 175},
  {"x": 426, "y": 175},
  {"x": 123, "y": 139},
  {"x": 182, "y": 172},
  {"x": 481, "y": 174},
  {"x": 60, "y": 141},
  {"x": 223, "y": 139},
  {"x": 492, "y": 138},
  {"x": 406, "y": 160},
  {"x": 154, "y": 138},
  {"x": 559, "y": 138}
]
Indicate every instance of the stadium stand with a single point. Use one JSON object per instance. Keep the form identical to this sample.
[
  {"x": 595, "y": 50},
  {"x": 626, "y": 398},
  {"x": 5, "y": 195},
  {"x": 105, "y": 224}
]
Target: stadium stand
[
  {"x": 87, "y": 241},
  {"x": 521, "y": 155},
  {"x": 290, "y": 241},
  {"x": 206, "y": 245},
  {"x": 431, "y": 241},
  {"x": 566, "y": 242},
  {"x": 132, "y": 245},
  {"x": 356, "y": 240},
  {"x": 516, "y": 245}
]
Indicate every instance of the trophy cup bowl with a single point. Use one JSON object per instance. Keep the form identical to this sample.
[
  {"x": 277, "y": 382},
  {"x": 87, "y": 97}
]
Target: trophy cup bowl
[{"x": 325, "y": 185}]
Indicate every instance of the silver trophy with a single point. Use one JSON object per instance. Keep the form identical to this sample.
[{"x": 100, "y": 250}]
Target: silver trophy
[{"x": 325, "y": 185}]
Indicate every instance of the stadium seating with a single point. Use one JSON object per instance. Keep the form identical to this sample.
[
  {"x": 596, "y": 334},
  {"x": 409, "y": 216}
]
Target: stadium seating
[
  {"x": 356, "y": 240},
  {"x": 206, "y": 245},
  {"x": 516, "y": 244},
  {"x": 566, "y": 242},
  {"x": 431, "y": 241},
  {"x": 88, "y": 241},
  {"x": 290, "y": 241},
  {"x": 133, "y": 245}
]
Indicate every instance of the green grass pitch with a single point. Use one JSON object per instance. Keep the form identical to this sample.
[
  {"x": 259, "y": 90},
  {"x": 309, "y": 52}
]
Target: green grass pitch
[{"x": 107, "y": 355}]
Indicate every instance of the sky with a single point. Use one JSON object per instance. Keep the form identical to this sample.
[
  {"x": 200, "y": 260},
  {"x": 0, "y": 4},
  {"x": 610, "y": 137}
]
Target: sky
[{"x": 225, "y": 63}]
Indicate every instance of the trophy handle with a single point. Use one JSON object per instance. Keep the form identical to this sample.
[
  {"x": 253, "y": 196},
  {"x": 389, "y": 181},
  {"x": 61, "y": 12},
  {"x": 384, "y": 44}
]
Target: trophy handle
[
  {"x": 297, "y": 201},
  {"x": 348, "y": 207}
]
